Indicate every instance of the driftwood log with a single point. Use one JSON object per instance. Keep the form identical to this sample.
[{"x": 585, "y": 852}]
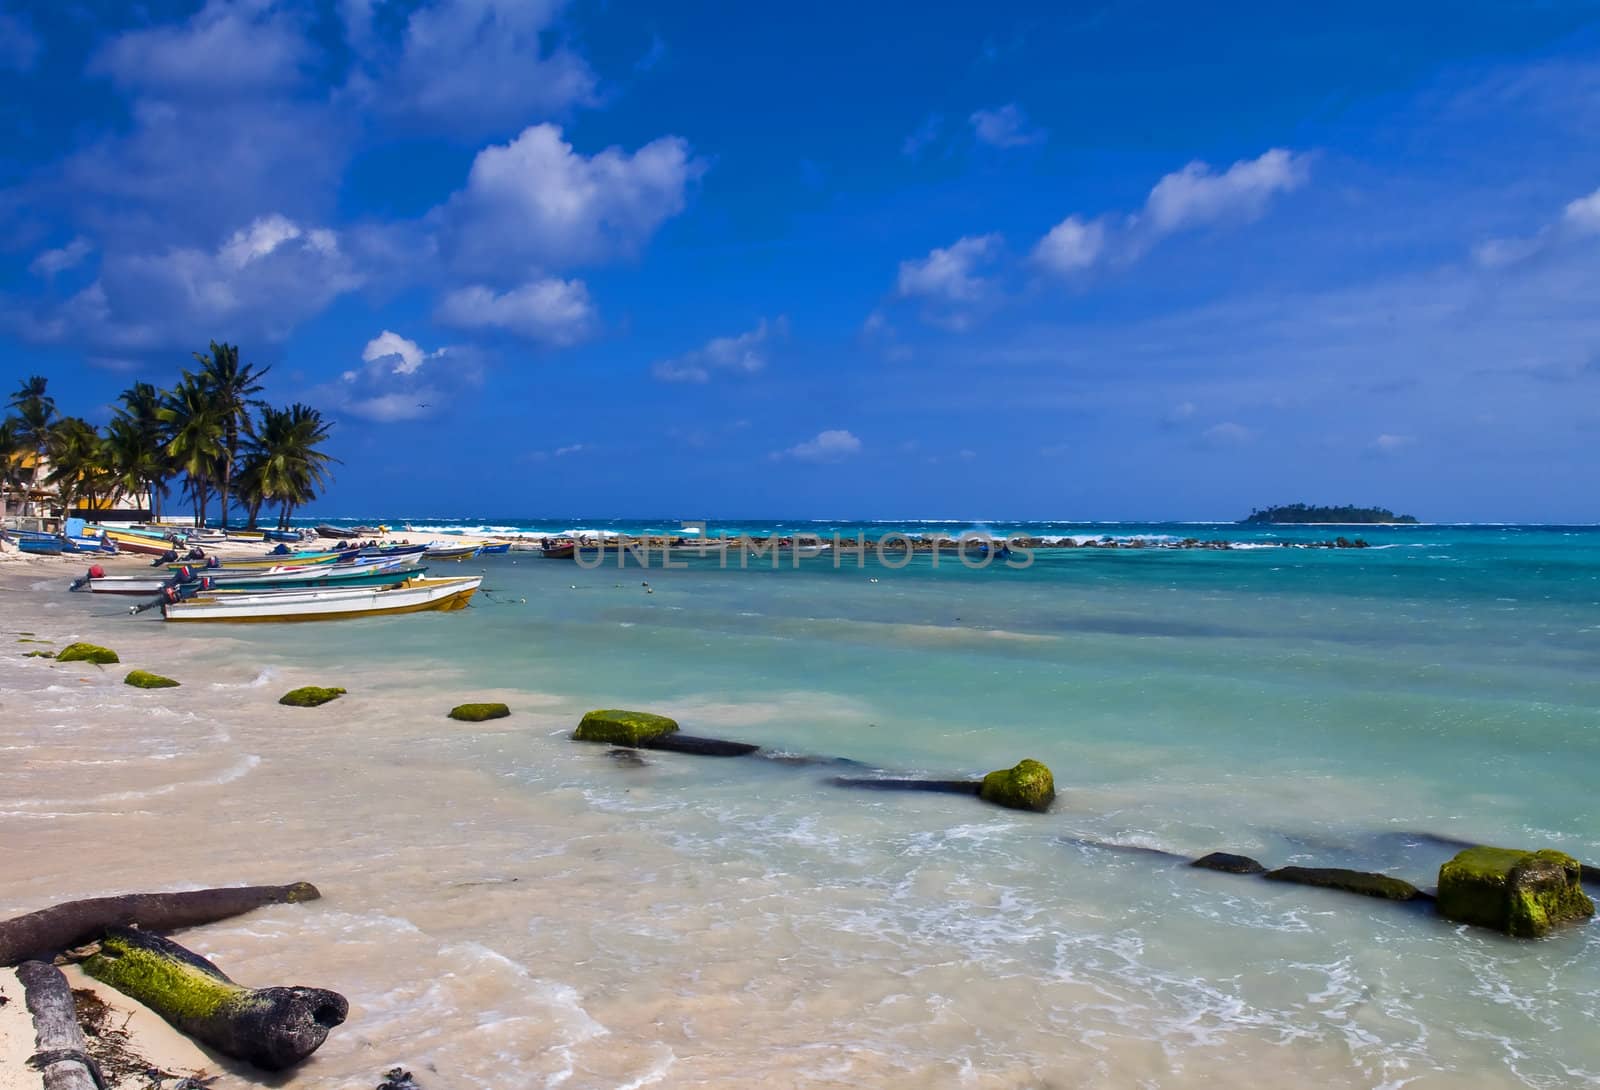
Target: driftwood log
[
  {"x": 62, "y": 1057},
  {"x": 44, "y": 933},
  {"x": 273, "y": 1028}
]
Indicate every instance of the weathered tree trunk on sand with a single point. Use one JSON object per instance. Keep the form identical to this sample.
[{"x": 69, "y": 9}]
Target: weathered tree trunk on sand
[
  {"x": 50, "y": 930},
  {"x": 273, "y": 1028},
  {"x": 61, "y": 1058}
]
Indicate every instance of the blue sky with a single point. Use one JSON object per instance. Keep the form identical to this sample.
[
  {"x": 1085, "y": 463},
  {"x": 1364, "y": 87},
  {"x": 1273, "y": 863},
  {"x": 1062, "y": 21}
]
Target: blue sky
[{"x": 1126, "y": 260}]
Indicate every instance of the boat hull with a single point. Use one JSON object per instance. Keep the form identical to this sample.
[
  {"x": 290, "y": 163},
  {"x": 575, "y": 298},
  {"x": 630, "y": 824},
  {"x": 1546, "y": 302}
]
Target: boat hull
[{"x": 418, "y": 596}]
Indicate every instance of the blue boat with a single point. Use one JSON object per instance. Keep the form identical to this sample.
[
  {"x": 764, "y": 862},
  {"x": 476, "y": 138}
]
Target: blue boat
[
  {"x": 496, "y": 549},
  {"x": 30, "y": 541}
]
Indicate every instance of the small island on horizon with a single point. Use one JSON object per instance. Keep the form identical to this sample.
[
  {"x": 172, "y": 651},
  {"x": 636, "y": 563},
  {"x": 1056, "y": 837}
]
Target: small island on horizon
[{"x": 1309, "y": 513}]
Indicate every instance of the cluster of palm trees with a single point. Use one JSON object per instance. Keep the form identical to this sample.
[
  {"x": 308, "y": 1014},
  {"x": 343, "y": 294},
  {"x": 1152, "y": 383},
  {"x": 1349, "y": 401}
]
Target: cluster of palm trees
[{"x": 209, "y": 432}]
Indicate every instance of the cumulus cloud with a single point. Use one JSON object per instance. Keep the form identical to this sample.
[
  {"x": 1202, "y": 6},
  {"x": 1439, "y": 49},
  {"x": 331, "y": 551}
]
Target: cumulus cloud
[
  {"x": 51, "y": 262},
  {"x": 925, "y": 134},
  {"x": 535, "y": 201},
  {"x": 1005, "y": 127},
  {"x": 396, "y": 380},
  {"x": 746, "y": 353},
  {"x": 1580, "y": 219},
  {"x": 828, "y": 446},
  {"x": 1391, "y": 444},
  {"x": 227, "y": 48},
  {"x": 1196, "y": 196},
  {"x": 1072, "y": 245},
  {"x": 259, "y": 282},
  {"x": 19, "y": 45},
  {"x": 552, "y": 311},
  {"x": 948, "y": 280},
  {"x": 467, "y": 66}
]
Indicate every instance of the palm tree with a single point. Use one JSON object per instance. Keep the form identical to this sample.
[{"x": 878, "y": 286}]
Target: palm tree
[
  {"x": 79, "y": 467},
  {"x": 194, "y": 438},
  {"x": 137, "y": 440},
  {"x": 231, "y": 386},
  {"x": 12, "y": 451},
  {"x": 36, "y": 416},
  {"x": 284, "y": 463}
]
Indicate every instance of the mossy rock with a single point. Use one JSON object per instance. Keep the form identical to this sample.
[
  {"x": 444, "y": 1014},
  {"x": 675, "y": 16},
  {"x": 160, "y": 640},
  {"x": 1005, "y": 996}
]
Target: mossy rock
[
  {"x": 623, "y": 728},
  {"x": 477, "y": 713},
  {"x": 1228, "y": 863},
  {"x": 1028, "y": 786},
  {"x": 144, "y": 679},
  {"x": 87, "y": 652},
  {"x": 1523, "y": 893},
  {"x": 309, "y": 696},
  {"x": 1363, "y": 882},
  {"x": 38, "y": 654}
]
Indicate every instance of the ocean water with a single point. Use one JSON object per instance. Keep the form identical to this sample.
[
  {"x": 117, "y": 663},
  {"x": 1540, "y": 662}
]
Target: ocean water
[{"x": 567, "y": 919}]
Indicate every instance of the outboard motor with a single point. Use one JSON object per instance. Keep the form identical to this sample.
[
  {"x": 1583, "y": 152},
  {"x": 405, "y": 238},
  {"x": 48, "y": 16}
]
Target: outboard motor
[
  {"x": 213, "y": 562},
  {"x": 185, "y": 574},
  {"x": 95, "y": 572},
  {"x": 168, "y": 557},
  {"x": 196, "y": 553}
]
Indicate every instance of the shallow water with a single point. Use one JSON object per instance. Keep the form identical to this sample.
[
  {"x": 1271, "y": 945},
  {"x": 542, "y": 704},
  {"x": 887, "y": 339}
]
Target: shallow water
[{"x": 507, "y": 908}]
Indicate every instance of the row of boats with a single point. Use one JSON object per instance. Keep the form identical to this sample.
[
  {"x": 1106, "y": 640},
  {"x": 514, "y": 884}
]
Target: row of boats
[{"x": 292, "y": 586}]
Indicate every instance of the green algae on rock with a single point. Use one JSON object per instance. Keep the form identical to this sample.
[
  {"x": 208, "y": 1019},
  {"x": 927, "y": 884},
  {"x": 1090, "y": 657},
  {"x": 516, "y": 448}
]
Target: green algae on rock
[
  {"x": 1028, "y": 786},
  {"x": 622, "y": 728},
  {"x": 273, "y": 1028},
  {"x": 477, "y": 713},
  {"x": 38, "y": 654},
  {"x": 1350, "y": 881},
  {"x": 309, "y": 696},
  {"x": 144, "y": 679},
  {"x": 1523, "y": 893},
  {"x": 87, "y": 652}
]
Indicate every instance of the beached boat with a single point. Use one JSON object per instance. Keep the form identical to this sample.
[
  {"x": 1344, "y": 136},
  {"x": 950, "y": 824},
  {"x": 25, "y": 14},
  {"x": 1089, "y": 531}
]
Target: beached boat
[
  {"x": 297, "y": 575},
  {"x": 463, "y": 552},
  {"x": 271, "y": 560},
  {"x": 38, "y": 544},
  {"x": 494, "y": 548},
  {"x": 336, "y": 534},
  {"x": 558, "y": 550},
  {"x": 412, "y": 596},
  {"x": 133, "y": 541}
]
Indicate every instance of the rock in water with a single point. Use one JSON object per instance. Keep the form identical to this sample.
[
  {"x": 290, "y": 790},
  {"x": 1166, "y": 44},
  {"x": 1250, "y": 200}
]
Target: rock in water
[
  {"x": 309, "y": 696},
  {"x": 144, "y": 679},
  {"x": 273, "y": 1028},
  {"x": 477, "y": 713},
  {"x": 1028, "y": 786},
  {"x": 398, "y": 1078},
  {"x": 1522, "y": 893},
  {"x": 1350, "y": 881},
  {"x": 622, "y": 728},
  {"x": 87, "y": 652},
  {"x": 1229, "y": 863}
]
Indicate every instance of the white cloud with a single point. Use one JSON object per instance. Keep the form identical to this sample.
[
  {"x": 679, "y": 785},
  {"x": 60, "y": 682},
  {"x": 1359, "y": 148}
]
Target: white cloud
[
  {"x": 227, "y": 48},
  {"x": 1195, "y": 196},
  {"x": 1227, "y": 434},
  {"x": 535, "y": 201},
  {"x": 554, "y": 311},
  {"x": 51, "y": 262},
  {"x": 1072, "y": 245},
  {"x": 1005, "y": 127},
  {"x": 467, "y": 66},
  {"x": 949, "y": 275},
  {"x": 1579, "y": 219},
  {"x": 259, "y": 283},
  {"x": 389, "y": 348},
  {"x": 828, "y": 446},
  {"x": 19, "y": 45},
  {"x": 746, "y": 353}
]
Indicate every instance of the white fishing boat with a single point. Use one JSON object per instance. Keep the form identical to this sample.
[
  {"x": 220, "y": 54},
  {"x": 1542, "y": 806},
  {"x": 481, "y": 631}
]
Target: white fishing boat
[
  {"x": 416, "y": 595},
  {"x": 307, "y": 575}
]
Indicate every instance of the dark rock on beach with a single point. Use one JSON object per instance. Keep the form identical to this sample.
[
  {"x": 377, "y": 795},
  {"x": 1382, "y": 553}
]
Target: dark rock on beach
[
  {"x": 1363, "y": 882},
  {"x": 398, "y": 1078},
  {"x": 1229, "y": 863},
  {"x": 673, "y": 742},
  {"x": 904, "y": 783}
]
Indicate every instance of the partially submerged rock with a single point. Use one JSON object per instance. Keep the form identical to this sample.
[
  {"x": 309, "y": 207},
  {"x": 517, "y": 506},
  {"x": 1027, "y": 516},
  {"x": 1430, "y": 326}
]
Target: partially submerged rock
[
  {"x": 1523, "y": 893},
  {"x": 38, "y": 654},
  {"x": 623, "y": 728},
  {"x": 87, "y": 652},
  {"x": 273, "y": 1028},
  {"x": 309, "y": 696},
  {"x": 1027, "y": 786},
  {"x": 1229, "y": 863},
  {"x": 144, "y": 679},
  {"x": 1363, "y": 882},
  {"x": 477, "y": 713}
]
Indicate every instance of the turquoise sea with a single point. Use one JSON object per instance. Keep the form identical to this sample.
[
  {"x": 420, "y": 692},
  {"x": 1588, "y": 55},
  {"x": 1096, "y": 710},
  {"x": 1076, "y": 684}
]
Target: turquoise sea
[{"x": 1316, "y": 707}]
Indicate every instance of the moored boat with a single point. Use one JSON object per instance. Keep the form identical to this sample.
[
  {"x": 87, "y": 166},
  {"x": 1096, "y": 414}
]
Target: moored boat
[
  {"x": 464, "y": 552},
  {"x": 495, "y": 548},
  {"x": 413, "y": 596}
]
